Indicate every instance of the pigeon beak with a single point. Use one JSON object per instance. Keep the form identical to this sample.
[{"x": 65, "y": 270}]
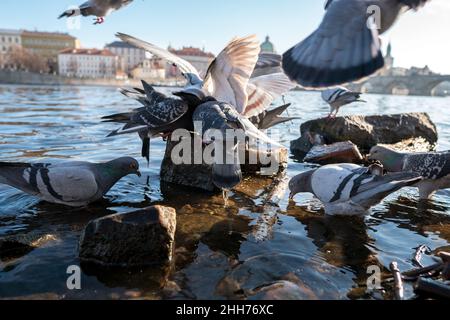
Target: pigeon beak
[
  {"x": 138, "y": 173},
  {"x": 291, "y": 196}
]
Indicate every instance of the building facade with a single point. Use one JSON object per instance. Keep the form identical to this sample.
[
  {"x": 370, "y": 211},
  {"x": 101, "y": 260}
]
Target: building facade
[
  {"x": 150, "y": 70},
  {"x": 48, "y": 45},
  {"x": 8, "y": 40},
  {"x": 130, "y": 56},
  {"x": 199, "y": 58},
  {"x": 88, "y": 63}
]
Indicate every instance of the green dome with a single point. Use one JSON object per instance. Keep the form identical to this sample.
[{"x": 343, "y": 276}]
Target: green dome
[{"x": 268, "y": 46}]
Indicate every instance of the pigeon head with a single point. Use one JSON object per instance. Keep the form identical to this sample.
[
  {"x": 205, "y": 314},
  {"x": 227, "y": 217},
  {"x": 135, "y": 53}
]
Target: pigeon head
[
  {"x": 390, "y": 159},
  {"x": 125, "y": 166},
  {"x": 301, "y": 183}
]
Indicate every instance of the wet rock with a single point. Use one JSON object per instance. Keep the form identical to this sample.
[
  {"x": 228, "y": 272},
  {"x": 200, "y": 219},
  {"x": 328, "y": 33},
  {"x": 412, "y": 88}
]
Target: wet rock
[
  {"x": 14, "y": 247},
  {"x": 139, "y": 238},
  {"x": 339, "y": 152},
  {"x": 284, "y": 290},
  {"x": 199, "y": 176},
  {"x": 366, "y": 131}
]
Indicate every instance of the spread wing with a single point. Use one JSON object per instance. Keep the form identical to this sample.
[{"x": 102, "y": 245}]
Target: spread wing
[
  {"x": 228, "y": 75},
  {"x": 341, "y": 50},
  {"x": 263, "y": 90},
  {"x": 184, "y": 66}
]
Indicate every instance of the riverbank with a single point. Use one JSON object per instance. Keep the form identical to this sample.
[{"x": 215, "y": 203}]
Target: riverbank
[{"x": 28, "y": 78}]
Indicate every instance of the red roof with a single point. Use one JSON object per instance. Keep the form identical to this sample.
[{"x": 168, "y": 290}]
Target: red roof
[
  {"x": 192, "y": 52},
  {"x": 90, "y": 52}
]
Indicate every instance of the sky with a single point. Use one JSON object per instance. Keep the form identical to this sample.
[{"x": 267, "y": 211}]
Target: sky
[{"x": 418, "y": 38}]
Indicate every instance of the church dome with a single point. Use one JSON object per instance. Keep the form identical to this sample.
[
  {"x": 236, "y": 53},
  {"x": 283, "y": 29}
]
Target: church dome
[{"x": 268, "y": 46}]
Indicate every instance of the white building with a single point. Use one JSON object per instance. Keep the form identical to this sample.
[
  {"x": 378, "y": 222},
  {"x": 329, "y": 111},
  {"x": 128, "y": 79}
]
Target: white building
[
  {"x": 131, "y": 56},
  {"x": 8, "y": 40},
  {"x": 200, "y": 59},
  {"x": 150, "y": 70},
  {"x": 88, "y": 63}
]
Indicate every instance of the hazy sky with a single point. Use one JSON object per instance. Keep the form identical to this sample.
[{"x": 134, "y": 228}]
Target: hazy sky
[{"x": 419, "y": 38}]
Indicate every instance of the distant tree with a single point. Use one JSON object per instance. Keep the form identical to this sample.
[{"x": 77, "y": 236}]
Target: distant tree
[{"x": 21, "y": 59}]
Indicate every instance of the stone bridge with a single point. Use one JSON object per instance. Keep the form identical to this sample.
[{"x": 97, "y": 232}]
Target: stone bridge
[{"x": 416, "y": 85}]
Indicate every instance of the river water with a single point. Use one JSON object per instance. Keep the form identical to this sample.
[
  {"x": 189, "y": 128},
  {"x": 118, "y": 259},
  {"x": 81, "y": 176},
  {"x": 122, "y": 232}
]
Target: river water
[{"x": 221, "y": 252}]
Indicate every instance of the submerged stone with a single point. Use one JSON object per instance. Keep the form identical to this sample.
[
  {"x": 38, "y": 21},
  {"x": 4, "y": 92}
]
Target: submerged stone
[{"x": 140, "y": 238}]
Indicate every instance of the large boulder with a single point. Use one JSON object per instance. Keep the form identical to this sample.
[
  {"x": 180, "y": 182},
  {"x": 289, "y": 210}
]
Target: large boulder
[
  {"x": 140, "y": 238},
  {"x": 366, "y": 131},
  {"x": 199, "y": 176}
]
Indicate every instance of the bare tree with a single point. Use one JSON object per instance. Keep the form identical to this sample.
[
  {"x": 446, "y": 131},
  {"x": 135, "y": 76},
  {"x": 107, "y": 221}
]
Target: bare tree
[{"x": 22, "y": 59}]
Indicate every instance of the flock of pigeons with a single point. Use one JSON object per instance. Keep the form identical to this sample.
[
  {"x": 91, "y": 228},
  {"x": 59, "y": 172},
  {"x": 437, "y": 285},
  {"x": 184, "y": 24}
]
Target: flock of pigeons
[{"x": 341, "y": 50}]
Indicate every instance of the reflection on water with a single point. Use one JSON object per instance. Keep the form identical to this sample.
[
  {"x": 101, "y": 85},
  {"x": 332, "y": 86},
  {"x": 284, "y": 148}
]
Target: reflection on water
[{"x": 230, "y": 252}]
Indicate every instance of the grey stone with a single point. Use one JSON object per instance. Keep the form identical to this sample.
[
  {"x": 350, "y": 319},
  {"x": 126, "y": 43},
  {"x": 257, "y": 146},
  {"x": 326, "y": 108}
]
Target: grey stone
[
  {"x": 339, "y": 152},
  {"x": 366, "y": 131},
  {"x": 140, "y": 238}
]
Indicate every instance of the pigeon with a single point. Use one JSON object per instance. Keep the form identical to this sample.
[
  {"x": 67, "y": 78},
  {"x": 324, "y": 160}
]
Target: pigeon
[
  {"x": 98, "y": 8},
  {"x": 433, "y": 166},
  {"x": 270, "y": 118},
  {"x": 339, "y": 97},
  {"x": 228, "y": 77},
  {"x": 346, "y": 46},
  {"x": 74, "y": 184},
  {"x": 215, "y": 117},
  {"x": 348, "y": 189},
  {"x": 159, "y": 116}
]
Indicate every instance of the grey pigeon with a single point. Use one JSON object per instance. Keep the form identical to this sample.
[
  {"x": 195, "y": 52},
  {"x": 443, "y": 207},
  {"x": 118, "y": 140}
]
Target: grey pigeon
[
  {"x": 346, "y": 46},
  {"x": 159, "y": 116},
  {"x": 433, "y": 166},
  {"x": 222, "y": 117},
  {"x": 348, "y": 189},
  {"x": 339, "y": 97},
  {"x": 74, "y": 184},
  {"x": 97, "y": 8}
]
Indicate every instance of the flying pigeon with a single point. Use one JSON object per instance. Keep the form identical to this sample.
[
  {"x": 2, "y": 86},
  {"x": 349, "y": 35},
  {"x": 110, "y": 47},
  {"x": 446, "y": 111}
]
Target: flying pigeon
[
  {"x": 228, "y": 78},
  {"x": 434, "y": 167},
  {"x": 221, "y": 117},
  {"x": 339, "y": 97},
  {"x": 348, "y": 189},
  {"x": 159, "y": 116},
  {"x": 346, "y": 46},
  {"x": 74, "y": 184},
  {"x": 98, "y": 8}
]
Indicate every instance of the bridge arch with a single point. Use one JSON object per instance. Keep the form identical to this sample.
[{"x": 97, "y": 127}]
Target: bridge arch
[
  {"x": 398, "y": 88},
  {"x": 440, "y": 88}
]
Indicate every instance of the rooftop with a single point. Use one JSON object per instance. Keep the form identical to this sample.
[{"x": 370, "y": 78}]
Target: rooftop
[
  {"x": 192, "y": 52},
  {"x": 90, "y": 52},
  {"x": 46, "y": 34},
  {"x": 10, "y": 31}
]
